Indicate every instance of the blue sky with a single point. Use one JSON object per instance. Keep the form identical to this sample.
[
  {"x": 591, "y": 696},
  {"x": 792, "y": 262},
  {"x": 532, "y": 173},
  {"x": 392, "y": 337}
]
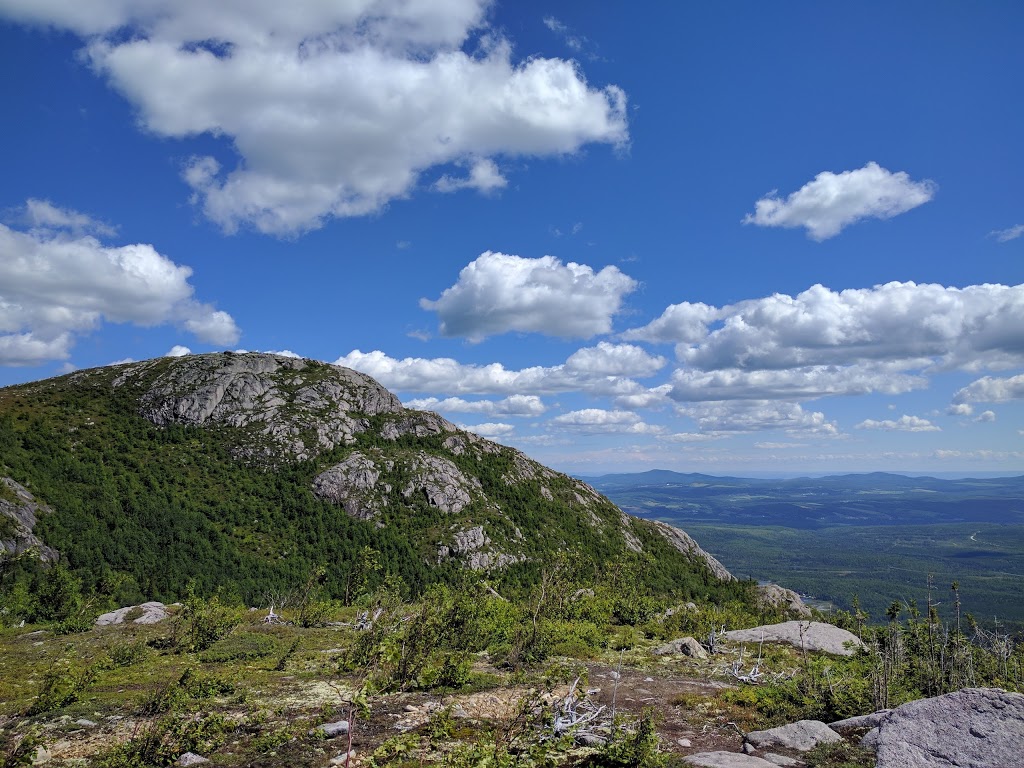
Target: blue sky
[{"x": 728, "y": 238}]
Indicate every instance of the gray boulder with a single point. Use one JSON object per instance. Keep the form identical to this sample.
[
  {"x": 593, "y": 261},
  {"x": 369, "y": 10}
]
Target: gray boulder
[
  {"x": 972, "y": 728},
  {"x": 684, "y": 645},
  {"x": 727, "y": 760},
  {"x": 802, "y": 736},
  {"x": 151, "y": 613},
  {"x": 332, "y": 730},
  {"x": 191, "y": 758},
  {"x": 811, "y": 635}
]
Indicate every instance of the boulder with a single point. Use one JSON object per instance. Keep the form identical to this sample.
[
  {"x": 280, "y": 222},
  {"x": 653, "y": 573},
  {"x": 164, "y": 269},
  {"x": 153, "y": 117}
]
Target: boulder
[
  {"x": 151, "y": 613},
  {"x": 191, "y": 758},
  {"x": 338, "y": 728},
  {"x": 727, "y": 760},
  {"x": 972, "y": 728},
  {"x": 860, "y": 721},
  {"x": 811, "y": 635},
  {"x": 684, "y": 645},
  {"x": 802, "y": 736}
]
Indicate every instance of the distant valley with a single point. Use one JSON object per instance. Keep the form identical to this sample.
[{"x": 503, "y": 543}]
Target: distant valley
[{"x": 878, "y": 536}]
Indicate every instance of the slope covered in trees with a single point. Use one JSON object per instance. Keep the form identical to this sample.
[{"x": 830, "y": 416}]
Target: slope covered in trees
[{"x": 247, "y": 473}]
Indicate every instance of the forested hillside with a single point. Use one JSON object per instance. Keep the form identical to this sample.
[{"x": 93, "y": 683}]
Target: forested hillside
[{"x": 248, "y": 473}]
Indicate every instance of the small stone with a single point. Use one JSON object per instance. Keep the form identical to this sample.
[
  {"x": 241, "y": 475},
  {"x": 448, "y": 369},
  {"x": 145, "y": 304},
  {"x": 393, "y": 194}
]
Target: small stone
[
  {"x": 335, "y": 729},
  {"x": 343, "y": 758},
  {"x": 191, "y": 758},
  {"x": 748, "y": 748},
  {"x": 683, "y": 742},
  {"x": 85, "y": 723}
]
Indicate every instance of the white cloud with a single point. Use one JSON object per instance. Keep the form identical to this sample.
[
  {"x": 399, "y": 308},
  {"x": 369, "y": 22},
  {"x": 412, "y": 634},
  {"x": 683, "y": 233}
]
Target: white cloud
[
  {"x": 444, "y": 374},
  {"x": 56, "y": 282},
  {"x": 902, "y": 424},
  {"x": 689, "y": 437},
  {"x": 794, "y": 384},
  {"x": 484, "y": 176},
  {"x": 986, "y": 416},
  {"x": 1006, "y": 235},
  {"x": 833, "y": 201},
  {"x": 685, "y": 322},
  {"x": 909, "y": 324},
  {"x": 614, "y": 360},
  {"x": 960, "y": 409},
  {"x": 44, "y": 215},
  {"x": 178, "y": 351},
  {"x": 515, "y": 405},
  {"x": 498, "y": 293},
  {"x": 599, "y": 421},
  {"x": 770, "y": 446},
  {"x": 333, "y": 108},
  {"x": 654, "y": 397},
  {"x": 991, "y": 389},
  {"x": 490, "y": 429},
  {"x": 757, "y": 416}
]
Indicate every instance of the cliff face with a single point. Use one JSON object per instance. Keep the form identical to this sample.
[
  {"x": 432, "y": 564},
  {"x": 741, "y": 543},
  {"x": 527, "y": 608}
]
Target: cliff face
[{"x": 325, "y": 437}]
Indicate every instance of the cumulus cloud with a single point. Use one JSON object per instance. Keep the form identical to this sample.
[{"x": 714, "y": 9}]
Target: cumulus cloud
[
  {"x": 515, "y": 405},
  {"x": 685, "y": 322},
  {"x": 333, "y": 108},
  {"x": 833, "y": 201},
  {"x": 599, "y": 421},
  {"x": 614, "y": 360},
  {"x": 489, "y": 429},
  {"x": 444, "y": 374},
  {"x": 484, "y": 176},
  {"x": 800, "y": 383},
  {"x": 56, "y": 281},
  {"x": 178, "y": 351},
  {"x": 756, "y": 416},
  {"x": 44, "y": 215},
  {"x": 1006, "y": 235},
  {"x": 906, "y": 324},
  {"x": 960, "y": 409},
  {"x": 991, "y": 389},
  {"x": 986, "y": 416},
  {"x": 902, "y": 424},
  {"x": 498, "y": 293}
]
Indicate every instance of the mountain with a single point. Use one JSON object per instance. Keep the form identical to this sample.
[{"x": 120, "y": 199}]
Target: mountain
[{"x": 249, "y": 471}]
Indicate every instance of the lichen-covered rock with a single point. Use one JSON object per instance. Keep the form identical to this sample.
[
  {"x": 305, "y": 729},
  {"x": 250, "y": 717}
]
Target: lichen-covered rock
[
  {"x": 687, "y": 646},
  {"x": 148, "y": 613},
  {"x": 971, "y": 728},
  {"x": 809, "y": 635},
  {"x": 803, "y": 736},
  {"x": 418, "y": 424},
  {"x": 774, "y": 596},
  {"x": 22, "y": 514},
  {"x": 442, "y": 483},
  {"x": 297, "y": 407},
  {"x": 353, "y": 485},
  {"x": 681, "y": 541},
  {"x": 473, "y": 547}
]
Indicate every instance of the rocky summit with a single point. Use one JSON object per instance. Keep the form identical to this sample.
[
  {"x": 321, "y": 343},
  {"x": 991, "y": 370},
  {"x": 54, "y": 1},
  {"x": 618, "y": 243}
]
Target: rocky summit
[{"x": 250, "y": 469}]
